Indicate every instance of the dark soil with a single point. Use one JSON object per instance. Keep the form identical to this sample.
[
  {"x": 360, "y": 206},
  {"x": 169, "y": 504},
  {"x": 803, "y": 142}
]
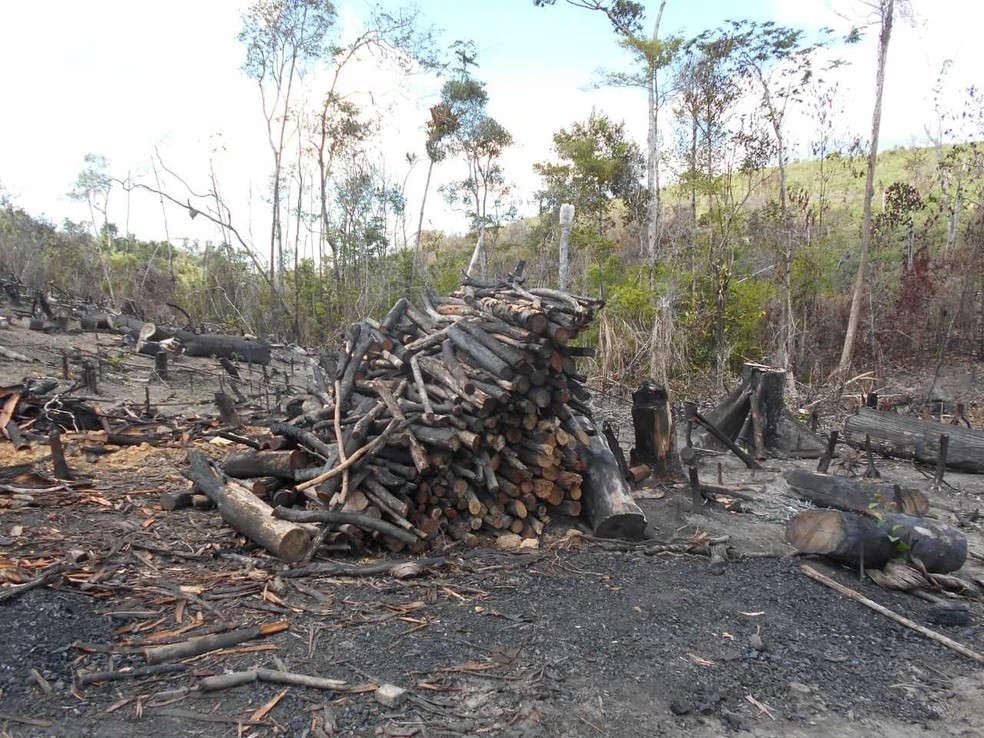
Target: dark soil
[{"x": 568, "y": 641}]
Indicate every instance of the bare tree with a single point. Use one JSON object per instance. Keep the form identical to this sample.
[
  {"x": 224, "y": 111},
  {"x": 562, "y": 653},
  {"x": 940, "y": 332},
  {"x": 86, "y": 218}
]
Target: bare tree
[
  {"x": 283, "y": 39},
  {"x": 92, "y": 186},
  {"x": 653, "y": 55},
  {"x": 884, "y": 12}
]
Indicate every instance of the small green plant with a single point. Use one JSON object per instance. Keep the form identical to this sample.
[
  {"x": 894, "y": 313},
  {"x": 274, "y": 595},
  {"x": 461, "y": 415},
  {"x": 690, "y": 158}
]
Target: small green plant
[{"x": 901, "y": 546}]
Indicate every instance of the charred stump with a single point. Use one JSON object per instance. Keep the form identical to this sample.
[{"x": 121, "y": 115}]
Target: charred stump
[
  {"x": 755, "y": 417},
  {"x": 654, "y": 432}
]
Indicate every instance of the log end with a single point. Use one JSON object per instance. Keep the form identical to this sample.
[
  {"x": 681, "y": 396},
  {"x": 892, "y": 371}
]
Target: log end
[
  {"x": 294, "y": 545},
  {"x": 815, "y": 532}
]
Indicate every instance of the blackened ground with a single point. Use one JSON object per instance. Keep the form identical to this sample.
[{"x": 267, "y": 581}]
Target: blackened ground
[
  {"x": 37, "y": 632},
  {"x": 557, "y": 642}
]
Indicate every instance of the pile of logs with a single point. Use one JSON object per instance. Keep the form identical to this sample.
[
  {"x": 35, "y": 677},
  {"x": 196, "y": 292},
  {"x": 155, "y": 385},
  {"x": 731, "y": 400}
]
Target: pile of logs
[{"x": 466, "y": 414}]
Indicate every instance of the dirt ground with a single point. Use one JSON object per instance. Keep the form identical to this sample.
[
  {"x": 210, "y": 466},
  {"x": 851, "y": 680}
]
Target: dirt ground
[{"x": 574, "y": 638}]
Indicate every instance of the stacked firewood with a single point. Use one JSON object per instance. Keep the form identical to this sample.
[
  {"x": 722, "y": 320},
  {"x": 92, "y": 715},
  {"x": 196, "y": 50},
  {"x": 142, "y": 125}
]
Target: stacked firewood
[{"x": 464, "y": 414}]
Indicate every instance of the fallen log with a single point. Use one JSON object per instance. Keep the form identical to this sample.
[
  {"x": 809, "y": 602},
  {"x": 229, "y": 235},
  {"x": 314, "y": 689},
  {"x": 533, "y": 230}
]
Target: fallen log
[
  {"x": 607, "y": 498},
  {"x": 239, "y": 678},
  {"x": 853, "y": 495},
  {"x": 204, "y": 644},
  {"x": 224, "y": 346},
  {"x": 871, "y": 542},
  {"x": 245, "y": 512},
  {"x": 903, "y": 437},
  {"x": 12, "y": 355}
]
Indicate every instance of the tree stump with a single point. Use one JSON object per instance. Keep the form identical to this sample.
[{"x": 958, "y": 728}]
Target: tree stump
[
  {"x": 755, "y": 416},
  {"x": 655, "y": 442}
]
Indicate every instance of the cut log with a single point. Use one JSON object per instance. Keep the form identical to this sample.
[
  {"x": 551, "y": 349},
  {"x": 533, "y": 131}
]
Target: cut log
[
  {"x": 855, "y": 539},
  {"x": 910, "y": 438},
  {"x": 96, "y": 322},
  {"x": 224, "y": 346},
  {"x": 249, "y": 515},
  {"x": 481, "y": 355},
  {"x": 247, "y": 464},
  {"x": 848, "y": 538},
  {"x": 607, "y": 498},
  {"x": 854, "y": 495}
]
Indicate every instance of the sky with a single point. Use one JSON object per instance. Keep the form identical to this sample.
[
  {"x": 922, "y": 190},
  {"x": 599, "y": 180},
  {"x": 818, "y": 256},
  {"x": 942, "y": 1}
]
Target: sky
[{"x": 124, "y": 79}]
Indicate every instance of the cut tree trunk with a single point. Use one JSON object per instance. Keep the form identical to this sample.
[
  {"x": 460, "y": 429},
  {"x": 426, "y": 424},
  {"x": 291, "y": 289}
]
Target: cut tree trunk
[
  {"x": 654, "y": 433},
  {"x": 245, "y": 512},
  {"x": 856, "y": 539},
  {"x": 910, "y": 438},
  {"x": 607, "y": 498},
  {"x": 755, "y": 416},
  {"x": 854, "y": 495}
]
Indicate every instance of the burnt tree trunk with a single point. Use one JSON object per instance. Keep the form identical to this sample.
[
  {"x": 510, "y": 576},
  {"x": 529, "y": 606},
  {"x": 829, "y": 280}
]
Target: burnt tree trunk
[
  {"x": 854, "y": 495},
  {"x": 854, "y": 539},
  {"x": 223, "y": 346},
  {"x": 607, "y": 498},
  {"x": 97, "y": 322},
  {"x": 909, "y": 438}
]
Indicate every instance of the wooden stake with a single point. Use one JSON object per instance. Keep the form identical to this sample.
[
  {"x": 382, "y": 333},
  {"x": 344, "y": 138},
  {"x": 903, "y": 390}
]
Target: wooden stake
[
  {"x": 696, "y": 498},
  {"x": 828, "y": 454},
  {"x": 941, "y": 461},
  {"x": 58, "y": 455},
  {"x": 160, "y": 365}
]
